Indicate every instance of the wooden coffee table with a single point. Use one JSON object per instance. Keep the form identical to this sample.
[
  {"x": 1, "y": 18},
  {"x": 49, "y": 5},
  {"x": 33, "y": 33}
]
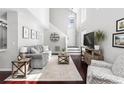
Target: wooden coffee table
[
  {"x": 20, "y": 68},
  {"x": 63, "y": 58}
]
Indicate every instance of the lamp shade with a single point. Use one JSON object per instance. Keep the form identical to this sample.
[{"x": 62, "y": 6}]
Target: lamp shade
[{"x": 23, "y": 49}]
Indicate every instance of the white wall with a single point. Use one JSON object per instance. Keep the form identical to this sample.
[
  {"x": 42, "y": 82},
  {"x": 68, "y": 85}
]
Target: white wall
[
  {"x": 27, "y": 20},
  {"x": 59, "y": 18},
  {"x": 59, "y": 24},
  {"x": 42, "y": 14},
  {"x": 16, "y": 18},
  {"x": 62, "y": 41},
  {"x": 81, "y": 23},
  {"x": 105, "y": 19}
]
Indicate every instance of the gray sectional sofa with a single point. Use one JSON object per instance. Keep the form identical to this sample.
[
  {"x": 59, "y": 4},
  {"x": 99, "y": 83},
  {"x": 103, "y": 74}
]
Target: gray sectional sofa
[{"x": 40, "y": 56}]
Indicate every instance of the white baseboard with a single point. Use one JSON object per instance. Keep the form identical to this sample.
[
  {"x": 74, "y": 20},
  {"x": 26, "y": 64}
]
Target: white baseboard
[
  {"x": 74, "y": 53},
  {"x": 5, "y": 69}
]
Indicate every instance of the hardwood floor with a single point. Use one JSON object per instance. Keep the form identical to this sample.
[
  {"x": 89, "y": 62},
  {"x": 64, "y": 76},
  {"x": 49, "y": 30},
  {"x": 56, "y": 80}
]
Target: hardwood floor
[
  {"x": 81, "y": 67},
  {"x": 4, "y": 75}
]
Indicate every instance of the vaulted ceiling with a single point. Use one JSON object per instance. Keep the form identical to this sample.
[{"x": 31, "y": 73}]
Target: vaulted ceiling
[{"x": 41, "y": 14}]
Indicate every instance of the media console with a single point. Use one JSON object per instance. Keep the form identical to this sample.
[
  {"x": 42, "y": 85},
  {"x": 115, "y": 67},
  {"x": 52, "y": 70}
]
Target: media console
[{"x": 90, "y": 54}]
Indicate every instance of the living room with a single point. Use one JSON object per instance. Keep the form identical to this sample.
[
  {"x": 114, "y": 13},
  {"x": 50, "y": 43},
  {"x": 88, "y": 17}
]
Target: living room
[
  {"x": 25, "y": 33},
  {"x": 48, "y": 19},
  {"x": 56, "y": 36}
]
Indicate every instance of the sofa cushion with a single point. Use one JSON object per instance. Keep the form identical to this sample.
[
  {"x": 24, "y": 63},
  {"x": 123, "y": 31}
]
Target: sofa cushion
[
  {"x": 45, "y": 48},
  {"x": 35, "y": 51},
  {"x": 35, "y": 56},
  {"x": 100, "y": 70},
  {"x": 39, "y": 48},
  {"x": 118, "y": 66},
  {"x": 29, "y": 49},
  {"x": 101, "y": 75}
]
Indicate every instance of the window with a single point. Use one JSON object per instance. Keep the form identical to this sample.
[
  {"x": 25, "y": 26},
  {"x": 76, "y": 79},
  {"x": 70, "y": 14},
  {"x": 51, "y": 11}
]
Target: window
[{"x": 3, "y": 35}]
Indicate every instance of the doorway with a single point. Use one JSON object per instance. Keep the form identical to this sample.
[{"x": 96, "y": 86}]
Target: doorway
[{"x": 71, "y": 30}]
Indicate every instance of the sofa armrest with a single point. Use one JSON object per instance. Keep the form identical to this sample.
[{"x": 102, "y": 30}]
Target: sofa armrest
[
  {"x": 100, "y": 63},
  {"x": 45, "y": 55},
  {"x": 49, "y": 53}
]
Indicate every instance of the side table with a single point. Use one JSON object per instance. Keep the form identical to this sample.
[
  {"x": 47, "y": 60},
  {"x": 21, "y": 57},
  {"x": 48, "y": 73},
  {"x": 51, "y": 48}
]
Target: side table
[
  {"x": 21, "y": 67},
  {"x": 63, "y": 58}
]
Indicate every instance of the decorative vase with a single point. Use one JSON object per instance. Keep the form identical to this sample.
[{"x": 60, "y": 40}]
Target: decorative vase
[{"x": 97, "y": 47}]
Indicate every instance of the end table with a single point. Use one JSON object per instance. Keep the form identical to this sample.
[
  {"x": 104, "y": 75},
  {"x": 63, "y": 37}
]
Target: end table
[
  {"x": 21, "y": 67},
  {"x": 63, "y": 58}
]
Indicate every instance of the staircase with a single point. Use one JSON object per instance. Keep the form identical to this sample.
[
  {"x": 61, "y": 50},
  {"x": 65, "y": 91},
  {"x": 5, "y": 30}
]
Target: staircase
[{"x": 73, "y": 50}]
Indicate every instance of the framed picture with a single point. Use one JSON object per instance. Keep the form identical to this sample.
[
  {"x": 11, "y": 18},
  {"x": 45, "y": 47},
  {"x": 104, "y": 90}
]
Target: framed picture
[
  {"x": 54, "y": 37},
  {"x": 25, "y": 33},
  {"x": 120, "y": 25},
  {"x": 38, "y": 35},
  {"x": 118, "y": 40},
  {"x": 30, "y": 36},
  {"x": 33, "y": 34}
]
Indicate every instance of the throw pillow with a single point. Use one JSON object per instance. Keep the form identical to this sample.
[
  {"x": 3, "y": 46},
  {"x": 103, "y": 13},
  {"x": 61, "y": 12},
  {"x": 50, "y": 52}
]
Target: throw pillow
[
  {"x": 39, "y": 48},
  {"x": 118, "y": 66},
  {"x": 45, "y": 48},
  {"x": 35, "y": 51}
]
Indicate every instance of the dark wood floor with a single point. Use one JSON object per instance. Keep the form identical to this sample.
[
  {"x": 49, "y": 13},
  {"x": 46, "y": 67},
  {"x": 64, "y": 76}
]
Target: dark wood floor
[
  {"x": 4, "y": 75},
  {"x": 81, "y": 67}
]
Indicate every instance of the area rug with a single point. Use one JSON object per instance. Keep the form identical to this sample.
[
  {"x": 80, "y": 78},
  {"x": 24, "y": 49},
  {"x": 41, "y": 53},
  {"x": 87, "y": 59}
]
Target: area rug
[{"x": 53, "y": 72}]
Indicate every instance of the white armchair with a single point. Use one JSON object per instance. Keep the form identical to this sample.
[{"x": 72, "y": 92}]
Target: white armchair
[{"x": 101, "y": 72}]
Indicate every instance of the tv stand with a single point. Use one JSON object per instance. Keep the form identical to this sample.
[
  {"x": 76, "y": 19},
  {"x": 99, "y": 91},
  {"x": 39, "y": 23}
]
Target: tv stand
[{"x": 90, "y": 54}]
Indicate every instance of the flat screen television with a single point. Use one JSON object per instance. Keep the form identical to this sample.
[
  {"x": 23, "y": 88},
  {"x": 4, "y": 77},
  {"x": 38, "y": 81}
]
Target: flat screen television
[{"x": 89, "y": 40}]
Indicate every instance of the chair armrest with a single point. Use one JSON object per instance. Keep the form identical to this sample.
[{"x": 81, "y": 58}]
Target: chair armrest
[
  {"x": 106, "y": 78},
  {"x": 100, "y": 63}
]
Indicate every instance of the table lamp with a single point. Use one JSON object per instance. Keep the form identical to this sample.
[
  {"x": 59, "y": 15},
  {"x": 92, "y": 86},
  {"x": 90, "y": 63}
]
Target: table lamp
[{"x": 23, "y": 51}]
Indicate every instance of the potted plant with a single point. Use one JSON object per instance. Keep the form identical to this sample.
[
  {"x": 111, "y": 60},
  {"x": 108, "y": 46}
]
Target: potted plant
[
  {"x": 99, "y": 38},
  {"x": 63, "y": 50}
]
